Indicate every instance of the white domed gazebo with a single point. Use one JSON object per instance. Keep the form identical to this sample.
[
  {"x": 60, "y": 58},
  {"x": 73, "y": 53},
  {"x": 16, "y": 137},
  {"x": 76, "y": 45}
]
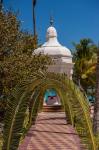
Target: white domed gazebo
[
  {"x": 60, "y": 54},
  {"x": 62, "y": 58}
]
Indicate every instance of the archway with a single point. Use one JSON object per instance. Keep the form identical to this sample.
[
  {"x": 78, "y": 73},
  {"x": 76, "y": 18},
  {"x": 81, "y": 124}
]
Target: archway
[
  {"x": 51, "y": 98},
  {"x": 73, "y": 102}
]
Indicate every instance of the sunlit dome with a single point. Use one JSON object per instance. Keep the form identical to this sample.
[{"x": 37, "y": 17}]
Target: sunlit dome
[
  {"x": 52, "y": 46},
  {"x": 51, "y": 32}
]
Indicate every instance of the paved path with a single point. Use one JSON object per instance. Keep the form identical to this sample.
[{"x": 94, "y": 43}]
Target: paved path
[{"x": 51, "y": 132}]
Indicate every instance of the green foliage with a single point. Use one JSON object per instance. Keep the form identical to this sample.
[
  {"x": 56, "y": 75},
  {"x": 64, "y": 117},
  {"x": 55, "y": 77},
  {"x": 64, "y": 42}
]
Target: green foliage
[
  {"x": 16, "y": 60},
  {"x": 96, "y": 104},
  {"x": 13, "y": 121},
  {"x": 74, "y": 103},
  {"x": 97, "y": 141},
  {"x": 85, "y": 57},
  {"x": 17, "y": 64}
]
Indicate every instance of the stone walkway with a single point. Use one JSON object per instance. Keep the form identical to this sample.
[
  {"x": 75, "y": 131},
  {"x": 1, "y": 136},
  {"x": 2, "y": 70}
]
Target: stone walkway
[{"x": 51, "y": 132}]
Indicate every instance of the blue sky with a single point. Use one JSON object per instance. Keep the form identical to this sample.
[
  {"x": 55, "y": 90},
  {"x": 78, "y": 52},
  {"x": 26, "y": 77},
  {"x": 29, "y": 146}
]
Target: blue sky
[{"x": 73, "y": 19}]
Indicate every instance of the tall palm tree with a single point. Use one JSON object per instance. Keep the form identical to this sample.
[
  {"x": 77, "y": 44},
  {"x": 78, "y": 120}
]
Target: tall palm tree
[
  {"x": 34, "y": 18},
  {"x": 96, "y": 105},
  {"x": 85, "y": 62},
  {"x": 34, "y": 23},
  {"x": 1, "y": 4}
]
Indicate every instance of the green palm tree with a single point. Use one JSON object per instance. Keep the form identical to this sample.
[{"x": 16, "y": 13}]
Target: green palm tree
[
  {"x": 96, "y": 104},
  {"x": 31, "y": 93},
  {"x": 85, "y": 63}
]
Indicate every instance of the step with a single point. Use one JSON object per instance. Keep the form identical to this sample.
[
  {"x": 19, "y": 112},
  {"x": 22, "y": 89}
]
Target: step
[{"x": 52, "y": 108}]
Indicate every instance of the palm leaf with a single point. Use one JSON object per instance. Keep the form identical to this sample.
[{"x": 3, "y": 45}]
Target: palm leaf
[
  {"x": 17, "y": 105},
  {"x": 74, "y": 103}
]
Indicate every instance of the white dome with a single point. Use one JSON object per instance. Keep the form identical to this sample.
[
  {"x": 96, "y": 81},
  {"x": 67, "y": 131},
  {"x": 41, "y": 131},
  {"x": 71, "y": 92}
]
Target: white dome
[
  {"x": 52, "y": 46},
  {"x": 51, "y": 32}
]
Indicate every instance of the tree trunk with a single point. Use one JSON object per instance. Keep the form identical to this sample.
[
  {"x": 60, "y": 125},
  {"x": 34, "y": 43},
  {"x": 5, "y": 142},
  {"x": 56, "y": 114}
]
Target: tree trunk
[
  {"x": 1, "y": 4},
  {"x": 96, "y": 104},
  {"x": 34, "y": 24}
]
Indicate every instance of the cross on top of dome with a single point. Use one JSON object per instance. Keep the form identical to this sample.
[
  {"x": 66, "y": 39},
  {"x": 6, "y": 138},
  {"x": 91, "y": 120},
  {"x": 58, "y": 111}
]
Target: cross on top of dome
[
  {"x": 51, "y": 31},
  {"x": 51, "y": 21}
]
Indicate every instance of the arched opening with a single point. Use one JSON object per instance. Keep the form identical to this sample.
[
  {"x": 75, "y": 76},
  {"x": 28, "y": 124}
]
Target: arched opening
[
  {"x": 51, "y": 98},
  {"x": 75, "y": 106},
  {"x": 73, "y": 101}
]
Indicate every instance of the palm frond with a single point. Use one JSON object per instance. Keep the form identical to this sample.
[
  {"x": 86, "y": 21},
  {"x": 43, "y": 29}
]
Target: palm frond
[
  {"x": 74, "y": 102},
  {"x": 14, "y": 118}
]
